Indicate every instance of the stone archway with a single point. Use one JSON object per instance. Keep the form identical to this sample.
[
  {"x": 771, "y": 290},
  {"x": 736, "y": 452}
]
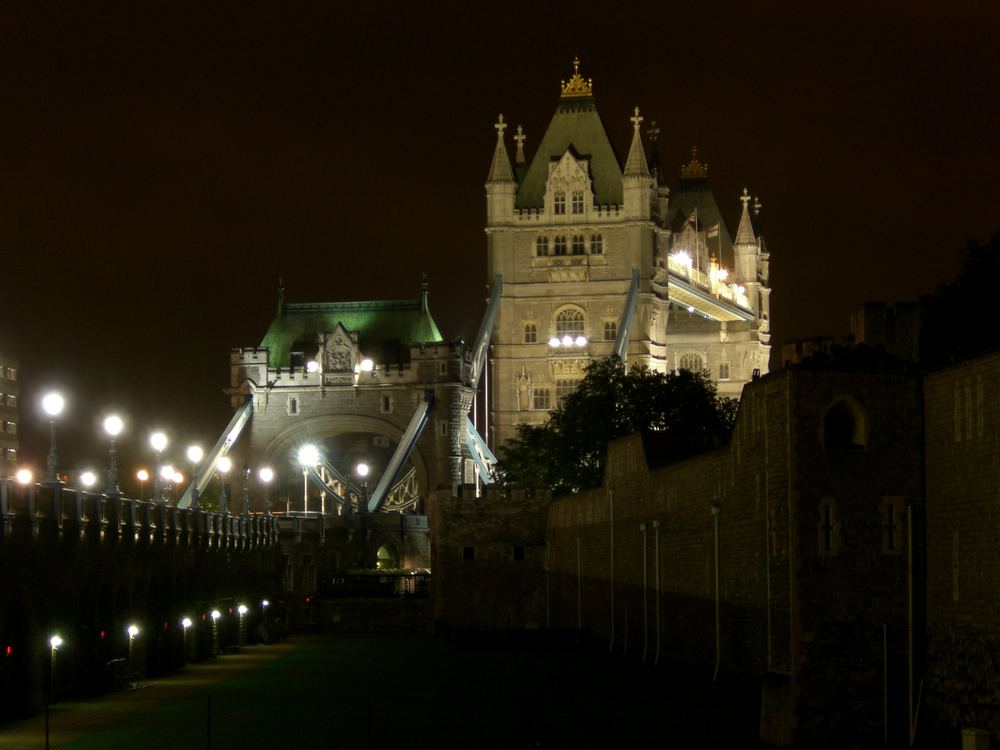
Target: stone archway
[{"x": 282, "y": 446}]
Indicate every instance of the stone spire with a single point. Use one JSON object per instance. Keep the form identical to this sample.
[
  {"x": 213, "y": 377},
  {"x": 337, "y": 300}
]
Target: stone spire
[
  {"x": 636, "y": 165},
  {"x": 519, "y": 140},
  {"x": 745, "y": 234},
  {"x": 500, "y": 170}
]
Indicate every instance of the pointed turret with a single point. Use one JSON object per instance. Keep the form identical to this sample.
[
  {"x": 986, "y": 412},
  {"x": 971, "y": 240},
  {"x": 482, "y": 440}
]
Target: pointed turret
[
  {"x": 747, "y": 252},
  {"x": 745, "y": 234},
  {"x": 637, "y": 185},
  {"x": 500, "y": 185}
]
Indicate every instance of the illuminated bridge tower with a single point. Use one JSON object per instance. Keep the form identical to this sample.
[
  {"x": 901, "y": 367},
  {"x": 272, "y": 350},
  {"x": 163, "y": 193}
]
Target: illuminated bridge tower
[{"x": 568, "y": 229}]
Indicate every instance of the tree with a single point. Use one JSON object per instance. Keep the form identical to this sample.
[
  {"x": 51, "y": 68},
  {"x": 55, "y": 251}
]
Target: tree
[
  {"x": 956, "y": 318},
  {"x": 681, "y": 411}
]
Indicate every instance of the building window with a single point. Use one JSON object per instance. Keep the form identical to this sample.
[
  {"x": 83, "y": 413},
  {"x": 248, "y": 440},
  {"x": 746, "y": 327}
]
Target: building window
[
  {"x": 10, "y": 428},
  {"x": 385, "y": 404},
  {"x": 530, "y": 333},
  {"x": 559, "y": 202},
  {"x": 11, "y": 399},
  {"x": 541, "y": 399},
  {"x": 828, "y": 529},
  {"x": 442, "y": 368},
  {"x": 578, "y": 201},
  {"x": 569, "y": 322},
  {"x": 542, "y": 246},
  {"x": 519, "y": 552},
  {"x": 468, "y": 553},
  {"x": 690, "y": 362},
  {"x": 380, "y": 441},
  {"x": 10, "y": 373},
  {"x": 579, "y": 246},
  {"x": 596, "y": 244},
  {"x": 293, "y": 405},
  {"x": 559, "y": 246},
  {"x": 443, "y": 427},
  {"x": 723, "y": 371},
  {"x": 844, "y": 426},
  {"x": 610, "y": 330},
  {"x": 892, "y": 512},
  {"x": 564, "y": 388},
  {"x": 10, "y": 454}
]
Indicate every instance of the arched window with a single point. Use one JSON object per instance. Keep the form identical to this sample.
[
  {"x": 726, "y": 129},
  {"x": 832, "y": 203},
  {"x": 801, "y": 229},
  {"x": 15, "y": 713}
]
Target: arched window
[
  {"x": 559, "y": 202},
  {"x": 844, "y": 425},
  {"x": 578, "y": 201},
  {"x": 579, "y": 247},
  {"x": 570, "y": 322},
  {"x": 690, "y": 362},
  {"x": 610, "y": 330},
  {"x": 723, "y": 371},
  {"x": 386, "y": 558},
  {"x": 530, "y": 333},
  {"x": 596, "y": 244},
  {"x": 559, "y": 245},
  {"x": 542, "y": 246}
]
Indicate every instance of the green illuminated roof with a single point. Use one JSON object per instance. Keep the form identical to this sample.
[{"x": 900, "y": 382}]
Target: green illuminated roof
[
  {"x": 385, "y": 328},
  {"x": 577, "y": 125}
]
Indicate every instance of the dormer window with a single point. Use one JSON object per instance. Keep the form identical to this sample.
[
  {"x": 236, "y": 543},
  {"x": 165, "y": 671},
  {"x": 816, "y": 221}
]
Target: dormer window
[
  {"x": 559, "y": 245},
  {"x": 578, "y": 201},
  {"x": 559, "y": 202}
]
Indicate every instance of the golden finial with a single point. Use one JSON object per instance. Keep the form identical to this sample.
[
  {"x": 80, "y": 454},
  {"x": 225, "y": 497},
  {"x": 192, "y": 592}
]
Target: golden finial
[
  {"x": 694, "y": 169},
  {"x": 577, "y": 86}
]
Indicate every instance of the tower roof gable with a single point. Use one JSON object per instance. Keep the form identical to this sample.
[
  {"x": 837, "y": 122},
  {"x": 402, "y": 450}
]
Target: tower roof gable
[{"x": 576, "y": 124}]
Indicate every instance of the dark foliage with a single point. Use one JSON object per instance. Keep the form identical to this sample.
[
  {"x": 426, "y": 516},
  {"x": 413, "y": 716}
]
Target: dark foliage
[
  {"x": 682, "y": 410},
  {"x": 953, "y": 317}
]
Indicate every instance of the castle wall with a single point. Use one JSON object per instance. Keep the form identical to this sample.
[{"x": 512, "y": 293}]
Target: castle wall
[{"x": 963, "y": 555}]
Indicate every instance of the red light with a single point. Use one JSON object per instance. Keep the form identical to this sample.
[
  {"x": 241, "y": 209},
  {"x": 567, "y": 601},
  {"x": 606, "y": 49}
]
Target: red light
[
  {"x": 9, "y": 650},
  {"x": 165, "y": 626},
  {"x": 103, "y": 634},
  {"x": 204, "y": 616},
  {"x": 230, "y": 610},
  {"x": 308, "y": 599}
]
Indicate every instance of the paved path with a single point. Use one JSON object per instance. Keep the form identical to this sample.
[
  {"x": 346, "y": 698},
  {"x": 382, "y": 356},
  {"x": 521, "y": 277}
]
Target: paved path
[{"x": 398, "y": 692}]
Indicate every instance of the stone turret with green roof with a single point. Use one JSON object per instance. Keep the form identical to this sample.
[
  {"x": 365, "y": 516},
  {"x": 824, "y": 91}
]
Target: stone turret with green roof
[{"x": 565, "y": 227}]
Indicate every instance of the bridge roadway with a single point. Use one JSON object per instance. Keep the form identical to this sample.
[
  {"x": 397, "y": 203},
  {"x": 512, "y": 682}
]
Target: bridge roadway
[{"x": 406, "y": 691}]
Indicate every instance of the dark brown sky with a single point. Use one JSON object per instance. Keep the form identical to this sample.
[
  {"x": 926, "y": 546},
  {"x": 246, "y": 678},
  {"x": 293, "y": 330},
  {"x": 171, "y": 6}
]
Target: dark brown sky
[{"x": 162, "y": 164}]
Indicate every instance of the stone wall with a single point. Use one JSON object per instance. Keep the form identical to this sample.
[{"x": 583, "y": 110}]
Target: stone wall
[{"x": 962, "y": 686}]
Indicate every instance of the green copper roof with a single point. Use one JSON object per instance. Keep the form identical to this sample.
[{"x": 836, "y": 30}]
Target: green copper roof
[
  {"x": 385, "y": 329},
  {"x": 577, "y": 125}
]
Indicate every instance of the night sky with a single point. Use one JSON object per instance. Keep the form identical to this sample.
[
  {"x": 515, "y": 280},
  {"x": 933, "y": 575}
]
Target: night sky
[{"x": 163, "y": 164}]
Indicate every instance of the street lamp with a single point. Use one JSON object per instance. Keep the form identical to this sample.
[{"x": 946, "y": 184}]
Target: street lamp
[
  {"x": 308, "y": 456},
  {"x": 88, "y": 479},
  {"x": 53, "y": 404},
  {"x": 362, "y": 471},
  {"x": 54, "y": 643},
  {"x": 113, "y": 426},
  {"x": 142, "y": 475},
  {"x": 224, "y": 465},
  {"x": 158, "y": 440},
  {"x": 194, "y": 456},
  {"x": 266, "y": 474},
  {"x": 133, "y": 633},
  {"x": 23, "y": 476}
]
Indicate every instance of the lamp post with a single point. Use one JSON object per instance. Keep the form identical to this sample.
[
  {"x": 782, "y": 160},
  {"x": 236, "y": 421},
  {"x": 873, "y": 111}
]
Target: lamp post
[
  {"x": 186, "y": 626},
  {"x": 224, "y": 465},
  {"x": 24, "y": 476},
  {"x": 308, "y": 456},
  {"x": 142, "y": 475},
  {"x": 166, "y": 478},
  {"x": 88, "y": 479},
  {"x": 53, "y": 404},
  {"x": 194, "y": 455},
  {"x": 113, "y": 426},
  {"x": 133, "y": 633},
  {"x": 266, "y": 474},
  {"x": 362, "y": 471},
  {"x": 158, "y": 441}
]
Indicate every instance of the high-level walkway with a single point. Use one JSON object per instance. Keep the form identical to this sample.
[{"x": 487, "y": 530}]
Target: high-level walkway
[{"x": 395, "y": 691}]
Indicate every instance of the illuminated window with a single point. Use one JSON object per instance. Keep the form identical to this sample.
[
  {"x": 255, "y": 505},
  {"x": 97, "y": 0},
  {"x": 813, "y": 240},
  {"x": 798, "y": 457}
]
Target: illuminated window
[
  {"x": 610, "y": 330},
  {"x": 541, "y": 399},
  {"x": 542, "y": 246},
  {"x": 578, "y": 201},
  {"x": 530, "y": 333},
  {"x": 596, "y": 244},
  {"x": 559, "y": 202},
  {"x": 10, "y": 428},
  {"x": 723, "y": 371},
  {"x": 579, "y": 246},
  {"x": 690, "y": 362},
  {"x": 570, "y": 322},
  {"x": 559, "y": 245},
  {"x": 10, "y": 454}
]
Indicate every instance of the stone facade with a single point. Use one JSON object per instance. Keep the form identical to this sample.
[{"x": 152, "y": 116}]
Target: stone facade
[
  {"x": 567, "y": 229},
  {"x": 962, "y": 687},
  {"x": 10, "y": 392}
]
